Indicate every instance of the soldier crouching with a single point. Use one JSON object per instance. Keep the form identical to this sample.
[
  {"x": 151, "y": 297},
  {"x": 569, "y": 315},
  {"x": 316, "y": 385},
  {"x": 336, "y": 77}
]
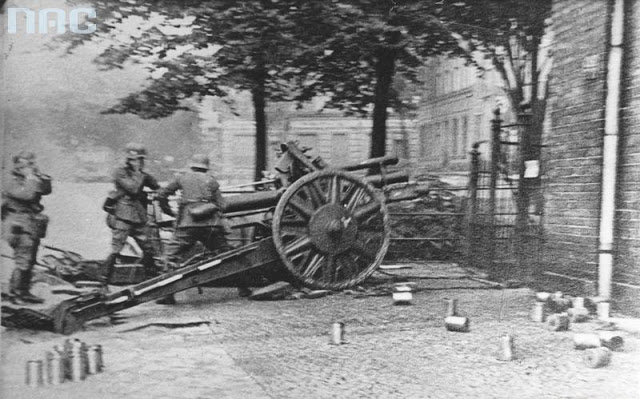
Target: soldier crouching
[{"x": 23, "y": 222}]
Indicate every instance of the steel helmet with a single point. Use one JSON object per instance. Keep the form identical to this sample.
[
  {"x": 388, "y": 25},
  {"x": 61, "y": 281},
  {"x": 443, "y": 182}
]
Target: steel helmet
[
  {"x": 24, "y": 155},
  {"x": 200, "y": 161},
  {"x": 135, "y": 151}
]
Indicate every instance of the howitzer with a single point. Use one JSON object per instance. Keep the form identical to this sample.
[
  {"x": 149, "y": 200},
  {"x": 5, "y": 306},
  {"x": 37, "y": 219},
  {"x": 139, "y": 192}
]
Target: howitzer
[{"x": 322, "y": 228}]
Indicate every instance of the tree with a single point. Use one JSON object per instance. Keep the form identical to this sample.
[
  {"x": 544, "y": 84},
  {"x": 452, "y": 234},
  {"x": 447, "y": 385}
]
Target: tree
[
  {"x": 348, "y": 51},
  {"x": 199, "y": 48},
  {"x": 372, "y": 41},
  {"x": 511, "y": 34}
]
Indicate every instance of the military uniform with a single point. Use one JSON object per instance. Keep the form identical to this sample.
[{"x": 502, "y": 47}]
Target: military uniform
[
  {"x": 23, "y": 223},
  {"x": 129, "y": 217},
  {"x": 199, "y": 217}
]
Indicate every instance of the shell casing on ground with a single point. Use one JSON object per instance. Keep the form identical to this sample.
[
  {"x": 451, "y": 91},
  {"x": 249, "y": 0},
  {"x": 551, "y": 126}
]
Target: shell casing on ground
[
  {"x": 452, "y": 307},
  {"x": 539, "y": 312},
  {"x": 507, "y": 352},
  {"x": 457, "y": 323},
  {"x": 34, "y": 377},
  {"x": 402, "y": 296},
  {"x": 611, "y": 340},
  {"x": 55, "y": 367},
  {"x": 337, "y": 333},
  {"x": 586, "y": 341},
  {"x": 558, "y": 322},
  {"x": 94, "y": 359},
  {"x": 596, "y": 357}
]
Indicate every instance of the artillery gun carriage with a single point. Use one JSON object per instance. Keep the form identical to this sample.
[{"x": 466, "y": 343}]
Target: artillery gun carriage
[{"x": 318, "y": 227}]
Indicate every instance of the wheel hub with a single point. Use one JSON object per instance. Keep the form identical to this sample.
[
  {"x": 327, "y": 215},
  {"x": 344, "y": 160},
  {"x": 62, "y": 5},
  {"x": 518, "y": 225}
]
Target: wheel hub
[{"x": 332, "y": 229}]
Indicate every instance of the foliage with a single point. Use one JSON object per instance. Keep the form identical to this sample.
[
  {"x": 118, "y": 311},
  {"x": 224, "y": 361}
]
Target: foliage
[
  {"x": 347, "y": 51},
  {"x": 366, "y": 34},
  {"x": 510, "y": 33},
  {"x": 194, "y": 49},
  {"x": 200, "y": 48},
  {"x": 372, "y": 41}
]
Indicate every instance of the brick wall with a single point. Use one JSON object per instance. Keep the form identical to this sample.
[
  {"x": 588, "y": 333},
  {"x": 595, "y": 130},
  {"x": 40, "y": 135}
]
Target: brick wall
[
  {"x": 628, "y": 208},
  {"x": 573, "y": 156}
]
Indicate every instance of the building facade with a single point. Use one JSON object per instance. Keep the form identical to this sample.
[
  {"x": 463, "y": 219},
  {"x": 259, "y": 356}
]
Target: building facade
[
  {"x": 592, "y": 150},
  {"x": 338, "y": 139},
  {"x": 455, "y": 112}
]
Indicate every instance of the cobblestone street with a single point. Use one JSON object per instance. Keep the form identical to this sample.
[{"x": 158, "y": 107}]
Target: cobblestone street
[{"x": 218, "y": 345}]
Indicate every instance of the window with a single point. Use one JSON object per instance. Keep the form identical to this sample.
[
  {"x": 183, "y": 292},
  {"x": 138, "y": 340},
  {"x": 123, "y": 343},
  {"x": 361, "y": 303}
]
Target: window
[
  {"x": 465, "y": 135},
  {"x": 401, "y": 146},
  {"x": 425, "y": 130},
  {"x": 447, "y": 82},
  {"x": 477, "y": 125},
  {"x": 454, "y": 138},
  {"x": 457, "y": 79},
  {"x": 445, "y": 135},
  {"x": 437, "y": 147},
  {"x": 471, "y": 75}
]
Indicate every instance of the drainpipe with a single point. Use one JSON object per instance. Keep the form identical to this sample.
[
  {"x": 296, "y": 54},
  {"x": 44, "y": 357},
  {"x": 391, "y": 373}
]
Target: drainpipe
[{"x": 610, "y": 152}]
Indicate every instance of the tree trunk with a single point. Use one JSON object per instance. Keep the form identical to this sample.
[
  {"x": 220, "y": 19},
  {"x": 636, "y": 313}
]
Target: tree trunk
[
  {"x": 259, "y": 104},
  {"x": 385, "y": 69},
  {"x": 532, "y": 120}
]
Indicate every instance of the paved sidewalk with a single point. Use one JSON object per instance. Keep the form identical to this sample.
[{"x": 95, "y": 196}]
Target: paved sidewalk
[
  {"x": 217, "y": 345},
  {"x": 142, "y": 360}
]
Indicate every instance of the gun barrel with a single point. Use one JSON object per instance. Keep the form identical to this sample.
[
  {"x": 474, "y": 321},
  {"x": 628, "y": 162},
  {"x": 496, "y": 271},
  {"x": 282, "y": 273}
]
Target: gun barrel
[
  {"x": 370, "y": 163},
  {"x": 378, "y": 181},
  {"x": 251, "y": 201},
  {"x": 266, "y": 199}
]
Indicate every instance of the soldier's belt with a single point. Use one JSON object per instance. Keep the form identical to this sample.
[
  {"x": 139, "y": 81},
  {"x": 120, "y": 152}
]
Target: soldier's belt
[{"x": 26, "y": 211}]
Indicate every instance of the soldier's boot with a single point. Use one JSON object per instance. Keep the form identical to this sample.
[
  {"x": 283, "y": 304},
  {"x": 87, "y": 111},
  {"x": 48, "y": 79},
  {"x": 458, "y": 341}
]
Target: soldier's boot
[
  {"x": 109, "y": 266},
  {"x": 20, "y": 284},
  {"x": 169, "y": 264},
  {"x": 14, "y": 286},
  {"x": 151, "y": 267},
  {"x": 244, "y": 292},
  {"x": 167, "y": 300}
]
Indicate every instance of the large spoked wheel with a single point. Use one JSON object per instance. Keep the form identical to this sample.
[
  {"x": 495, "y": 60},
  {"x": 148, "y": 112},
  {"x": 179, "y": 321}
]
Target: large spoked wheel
[{"x": 331, "y": 230}]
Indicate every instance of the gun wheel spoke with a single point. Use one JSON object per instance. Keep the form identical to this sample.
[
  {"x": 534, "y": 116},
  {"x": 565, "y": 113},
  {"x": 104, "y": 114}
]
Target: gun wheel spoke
[{"x": 331, "y": 229}]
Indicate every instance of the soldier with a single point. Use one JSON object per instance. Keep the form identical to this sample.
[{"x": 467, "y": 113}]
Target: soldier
[
  {"x": 23, "y": 222},
  {"x": 129, "y": 218},
  {"x": 199, "y": 216}
]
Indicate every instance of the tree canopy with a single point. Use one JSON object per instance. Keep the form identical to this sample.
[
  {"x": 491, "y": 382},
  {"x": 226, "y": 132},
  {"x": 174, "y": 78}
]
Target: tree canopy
[
  {"x": 509, "y": 33},
  {"x": 347, "y": 51}
]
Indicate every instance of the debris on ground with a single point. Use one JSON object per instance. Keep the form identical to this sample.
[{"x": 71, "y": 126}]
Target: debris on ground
[
  {"x": 273, "y": 292},
  {"x": 316, "y": 294},
  {"x": 283, "y": 290},
  {"x": 395, "y": 267}
]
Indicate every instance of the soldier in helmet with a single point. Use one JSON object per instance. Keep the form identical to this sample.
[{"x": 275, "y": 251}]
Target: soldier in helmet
[
  {"x": 23, "y": 223},
  {"x": 129, "y": 218},
  {"x": 199, "y": 216}
]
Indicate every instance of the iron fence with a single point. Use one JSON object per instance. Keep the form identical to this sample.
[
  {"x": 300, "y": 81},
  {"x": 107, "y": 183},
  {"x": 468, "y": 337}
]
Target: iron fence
[{"x": 503, "y": 230}]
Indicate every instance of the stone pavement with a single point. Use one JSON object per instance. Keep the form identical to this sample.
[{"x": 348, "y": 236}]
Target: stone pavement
[
  {"x": 218, "y": 345},
  {"x": 143, "y": 359}
]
